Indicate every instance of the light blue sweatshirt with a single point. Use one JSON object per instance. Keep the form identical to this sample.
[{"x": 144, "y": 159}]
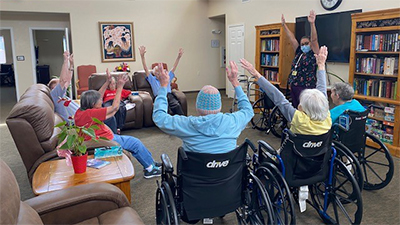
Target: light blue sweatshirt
[
  {"x": 214, "y": 133},
  {"x": 353, "y": 105}
]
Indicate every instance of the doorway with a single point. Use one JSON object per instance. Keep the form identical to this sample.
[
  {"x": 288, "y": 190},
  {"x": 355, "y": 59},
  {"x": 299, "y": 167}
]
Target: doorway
[{"x": 235, "y": 52}]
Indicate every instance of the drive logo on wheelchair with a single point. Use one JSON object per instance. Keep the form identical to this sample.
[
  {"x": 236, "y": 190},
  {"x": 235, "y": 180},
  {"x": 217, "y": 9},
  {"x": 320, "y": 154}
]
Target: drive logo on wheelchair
[
  {"x": 310, "y": 144},
  {"x": 215, "y": 164}
]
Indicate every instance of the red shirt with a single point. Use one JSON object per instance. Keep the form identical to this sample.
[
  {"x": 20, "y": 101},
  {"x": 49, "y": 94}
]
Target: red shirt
[
  {"x": 110, "y": 95},
  {"x": 84, "y": 118}
]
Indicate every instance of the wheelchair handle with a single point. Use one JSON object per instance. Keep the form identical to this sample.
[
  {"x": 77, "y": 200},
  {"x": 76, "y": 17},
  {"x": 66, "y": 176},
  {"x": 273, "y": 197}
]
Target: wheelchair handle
[
  {"x": 251, "y": 145},
  {"x": 167, "y": 163},
  {"x": 267, "y": 147},
  {"x": 182, "y": 153}
]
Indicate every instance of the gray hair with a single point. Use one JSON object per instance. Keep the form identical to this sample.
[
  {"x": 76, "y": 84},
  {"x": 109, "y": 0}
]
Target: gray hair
[
  {"x": 343, "y": 90},
  {"x": 315, "y": 104},
  {"x": 89, "y": 99}
]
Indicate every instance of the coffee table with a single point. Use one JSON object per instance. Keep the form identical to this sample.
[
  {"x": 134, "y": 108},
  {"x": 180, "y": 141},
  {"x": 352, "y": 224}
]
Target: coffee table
[{"x": 56, "y": 175}]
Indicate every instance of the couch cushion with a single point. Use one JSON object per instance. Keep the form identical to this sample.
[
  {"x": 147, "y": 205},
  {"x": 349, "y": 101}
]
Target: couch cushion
[
  {"x": 27, "y": 215},
  {"x": 141, "y": 84},
  {"x": 10, "y": 196}
]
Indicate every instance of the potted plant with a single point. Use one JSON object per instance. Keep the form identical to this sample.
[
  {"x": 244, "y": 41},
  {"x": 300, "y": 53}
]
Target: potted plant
[{"x": 71, "y": 141}]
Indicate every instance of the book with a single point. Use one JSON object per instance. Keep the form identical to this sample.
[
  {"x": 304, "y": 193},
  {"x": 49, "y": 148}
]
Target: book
[{"x": 97, "y": 163}]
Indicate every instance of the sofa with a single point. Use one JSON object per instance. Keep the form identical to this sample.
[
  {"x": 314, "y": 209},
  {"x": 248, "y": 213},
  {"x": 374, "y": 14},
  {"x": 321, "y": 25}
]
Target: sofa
[
  {"x": 31, "y": 123},
  {"x": 98, "y": 203}
]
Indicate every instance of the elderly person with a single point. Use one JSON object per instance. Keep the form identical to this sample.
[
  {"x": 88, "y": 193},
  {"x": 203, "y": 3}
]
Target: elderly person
[
  {"x": 312, "y": 116},
  {"x": 342, "y": 96},
  {"x": 91, "y": 107},
  {"x": 212, "y": 132},
  {"x": 108, "y": 99}
]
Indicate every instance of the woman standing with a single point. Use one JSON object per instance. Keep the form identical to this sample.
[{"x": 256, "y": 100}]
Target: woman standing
[{"x": 304, "y": 65}]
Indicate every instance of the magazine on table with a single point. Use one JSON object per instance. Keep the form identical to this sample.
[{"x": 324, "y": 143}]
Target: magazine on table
[{"x": 97, "y": 163}]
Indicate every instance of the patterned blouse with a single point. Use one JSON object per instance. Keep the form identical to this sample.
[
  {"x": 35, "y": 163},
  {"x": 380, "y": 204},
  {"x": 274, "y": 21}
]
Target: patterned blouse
[{"x": 306, "y": 69}]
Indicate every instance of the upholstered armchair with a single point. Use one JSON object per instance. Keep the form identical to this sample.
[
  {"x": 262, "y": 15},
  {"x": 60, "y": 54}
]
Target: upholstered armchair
[{"x": 84, "y": 73}]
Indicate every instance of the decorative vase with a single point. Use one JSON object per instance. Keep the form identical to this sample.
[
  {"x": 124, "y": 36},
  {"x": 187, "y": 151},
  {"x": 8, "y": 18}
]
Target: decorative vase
[{"x": 79, "y": 163}]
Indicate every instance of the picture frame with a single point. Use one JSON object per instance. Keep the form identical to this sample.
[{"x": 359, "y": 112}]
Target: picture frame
[{"x": 117, "y": 42}]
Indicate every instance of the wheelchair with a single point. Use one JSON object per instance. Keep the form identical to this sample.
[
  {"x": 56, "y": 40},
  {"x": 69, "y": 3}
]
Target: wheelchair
[
  {"x": 376, "y": 168},
  {"x": 212, "y": 185},
  {"x": 310, "y": 160}
]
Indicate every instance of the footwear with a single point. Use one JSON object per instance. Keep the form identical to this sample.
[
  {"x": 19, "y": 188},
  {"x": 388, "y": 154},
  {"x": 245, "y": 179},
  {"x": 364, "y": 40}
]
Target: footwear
[
  {"x": 118, "y": 131},
  {"x": 157, "y": 164},
  {"x": 155, "y": 172}
]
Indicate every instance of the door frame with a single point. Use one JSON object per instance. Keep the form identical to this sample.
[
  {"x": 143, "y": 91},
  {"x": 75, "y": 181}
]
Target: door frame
[
  {"x": 31, "y": 29},
  {"x": 14, "y": 59},
  {"x": 228, "y": 49}
]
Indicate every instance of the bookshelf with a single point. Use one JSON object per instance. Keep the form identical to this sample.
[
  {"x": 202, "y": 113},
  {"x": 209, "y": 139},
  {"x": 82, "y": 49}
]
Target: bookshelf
[
  {"x": 374, "y": 72},
  {"x": 274, "y": 53}
]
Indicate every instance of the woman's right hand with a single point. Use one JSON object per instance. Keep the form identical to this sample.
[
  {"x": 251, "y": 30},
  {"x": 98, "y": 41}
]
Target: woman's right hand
[
  {"x": 250, "y": 68},
  {"x": 142, "y": 50},
  {"x": 122, "y": 79},
  {"x": 283, "y": 20}
]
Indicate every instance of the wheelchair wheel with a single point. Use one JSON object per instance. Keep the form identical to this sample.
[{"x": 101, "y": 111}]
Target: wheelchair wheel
[
  {"x": 377, "y": 165},
  {"x": 279, "y": 193},
  {"x": 350, "y": 161},
  {"x": 257, "y": 207},
  {"x": 166, "y": 212},
  {"x": 260, "y": 118},
  {"x": 342, "y": 199},
  {"x": 278, "y": 122}
]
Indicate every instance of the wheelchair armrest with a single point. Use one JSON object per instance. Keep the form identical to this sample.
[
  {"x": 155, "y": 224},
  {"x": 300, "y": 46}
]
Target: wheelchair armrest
[
  {"x": 262, "y": 145},
  {"x": 166, "y": 162},
  {"x": 251, "y": 145},
  {"x": 336, "y": 125},
  {"x": 289, "y": 132},
  {"x": 182, "y": 153}
]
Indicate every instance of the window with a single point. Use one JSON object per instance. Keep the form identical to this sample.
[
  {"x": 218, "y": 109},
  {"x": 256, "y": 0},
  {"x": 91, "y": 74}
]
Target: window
[{"x": 2, "y": 51}]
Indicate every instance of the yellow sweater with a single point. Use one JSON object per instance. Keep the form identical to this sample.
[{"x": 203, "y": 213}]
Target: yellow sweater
[{"x": 302, "y": 124}]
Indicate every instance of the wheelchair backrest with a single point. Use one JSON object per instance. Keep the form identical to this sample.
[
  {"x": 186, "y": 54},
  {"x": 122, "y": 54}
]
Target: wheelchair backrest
[
  {"x": 354, "y": 138},
  {"x": 211, "y": 184},
  {"x": 306, "y": 157}
]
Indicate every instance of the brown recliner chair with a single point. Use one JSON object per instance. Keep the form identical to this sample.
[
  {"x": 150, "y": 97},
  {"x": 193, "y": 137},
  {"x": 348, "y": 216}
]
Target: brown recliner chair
[
  {"x": 141, "y": 84},
  {"x": 31, "y": 124},
  {"x": 134, "y": 117},
  {"x": 98, "y": 203}
]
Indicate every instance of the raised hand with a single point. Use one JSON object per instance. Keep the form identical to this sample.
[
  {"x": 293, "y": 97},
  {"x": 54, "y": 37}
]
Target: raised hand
[
  {"x": 232, "y": 74},
  {"x": 142, "y": 50},
  {"x": 250, "y": 68},
  {"x": 66, "y": 56},
  {"x": 163, "y": 76},
  {"x": 321, "y": 57},
  {"x": 283, "y": 20},
  {"x": 180, "y": 53},
  {"x": 311, "y": 17},
  {"x": 71, "y": 61},
  {"x": 122, "y": 79},
  {"x": 108, "y": 76}
]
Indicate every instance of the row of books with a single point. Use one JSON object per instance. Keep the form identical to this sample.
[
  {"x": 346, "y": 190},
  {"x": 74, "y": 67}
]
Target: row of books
[
  {"x": 270, "y": 45},
  {"x": 378, "y": 42},
  {"x": 269, "y": 60},
  {"x": 386, "y": 66},
  {"x": 375, "y": 87},
  {"x": 271, "y": 75}
]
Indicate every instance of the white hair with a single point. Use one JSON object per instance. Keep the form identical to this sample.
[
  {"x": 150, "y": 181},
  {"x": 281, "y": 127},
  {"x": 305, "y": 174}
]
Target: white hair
[{"x": 315, "y": 104}]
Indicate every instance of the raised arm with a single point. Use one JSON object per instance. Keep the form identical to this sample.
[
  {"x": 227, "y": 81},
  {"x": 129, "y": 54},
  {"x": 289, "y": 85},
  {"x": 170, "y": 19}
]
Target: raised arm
[
  {"x": 271, "y": 91},
  {"x": 314, "y": 37},
  {"x": 66, "y": 71},
  {"x": 142, "y": 51},
  {"x": 321, "y": 73},
  {"x": 289, "y": 34},
  {"x": 111, "y": 110},
  {"x": 105, "y": 85},
  {"x": 180, "y": 53}
]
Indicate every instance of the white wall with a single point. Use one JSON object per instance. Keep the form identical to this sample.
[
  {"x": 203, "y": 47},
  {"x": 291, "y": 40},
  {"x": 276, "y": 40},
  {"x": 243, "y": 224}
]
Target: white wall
[
  {"x": 7, "y": 45},
  {"x": 162, "y": 26},
  {"x": 50, "y": 43},
  {"x": 258, "y": 12}
]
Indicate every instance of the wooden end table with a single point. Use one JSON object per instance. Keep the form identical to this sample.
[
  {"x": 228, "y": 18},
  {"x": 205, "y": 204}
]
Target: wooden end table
[{"x": 56, "y": 175}]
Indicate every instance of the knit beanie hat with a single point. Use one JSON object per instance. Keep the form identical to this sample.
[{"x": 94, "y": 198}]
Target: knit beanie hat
[{"x": 208, "y": 101}]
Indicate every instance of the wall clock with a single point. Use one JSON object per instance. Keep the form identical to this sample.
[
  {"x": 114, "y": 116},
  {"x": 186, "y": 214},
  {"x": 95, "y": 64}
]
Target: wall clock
[{"x": 330, "y": 4}]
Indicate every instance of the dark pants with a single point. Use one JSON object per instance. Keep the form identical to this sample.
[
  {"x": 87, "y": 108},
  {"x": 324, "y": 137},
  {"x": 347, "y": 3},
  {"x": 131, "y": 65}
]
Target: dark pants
[
  {"x": 174, "y": 105},
  {"x": 112, "y": 124},
  {"x": 295, "y": 92},
  {"x": 120, "y": 115}
]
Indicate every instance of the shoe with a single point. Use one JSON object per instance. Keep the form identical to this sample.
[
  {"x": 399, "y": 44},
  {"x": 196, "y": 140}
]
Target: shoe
[
  {"x": 155, "y": 172},
  {"x": 157, "y": 164},
  {"x": 118, "y": 131}
]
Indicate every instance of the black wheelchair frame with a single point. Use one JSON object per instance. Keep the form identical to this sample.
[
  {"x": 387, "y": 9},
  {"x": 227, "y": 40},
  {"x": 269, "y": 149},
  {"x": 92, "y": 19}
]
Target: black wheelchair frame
[
  {"x": 336, "y": 197},
  {"x": 255, "y": 205}
]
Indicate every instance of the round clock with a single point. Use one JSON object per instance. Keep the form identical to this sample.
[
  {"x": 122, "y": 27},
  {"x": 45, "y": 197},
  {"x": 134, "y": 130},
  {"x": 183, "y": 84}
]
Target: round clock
[{"x": 330, "y": 4}]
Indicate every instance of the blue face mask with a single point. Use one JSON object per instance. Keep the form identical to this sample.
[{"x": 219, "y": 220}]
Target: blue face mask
[{"x": 305, "y": 48}]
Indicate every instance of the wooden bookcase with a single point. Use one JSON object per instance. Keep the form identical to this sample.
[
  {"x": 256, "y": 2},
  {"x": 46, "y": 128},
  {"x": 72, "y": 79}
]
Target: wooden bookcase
[
  {"x": 375, "y": 43},
  {"x": 274, "y": 52}
]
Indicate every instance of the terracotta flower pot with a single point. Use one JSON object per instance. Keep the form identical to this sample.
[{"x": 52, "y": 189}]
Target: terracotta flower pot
[{"x": 79, "y": 163}]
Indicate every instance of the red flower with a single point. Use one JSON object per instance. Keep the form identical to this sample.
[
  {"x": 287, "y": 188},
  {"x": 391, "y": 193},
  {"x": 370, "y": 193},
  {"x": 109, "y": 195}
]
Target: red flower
[{"x": 66, "y": 103}]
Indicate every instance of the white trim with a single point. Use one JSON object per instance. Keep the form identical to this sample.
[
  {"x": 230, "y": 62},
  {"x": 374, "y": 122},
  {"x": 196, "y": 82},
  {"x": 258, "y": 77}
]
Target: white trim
[{"x": 14, "y": 59}]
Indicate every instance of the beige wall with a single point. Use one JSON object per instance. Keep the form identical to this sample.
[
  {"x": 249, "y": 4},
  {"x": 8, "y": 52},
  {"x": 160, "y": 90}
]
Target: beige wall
[
  {"x": 7, "y": 45},
  {"x": 50, "y": 43},
  {"x": 258, "y": 12},
  {"x": 162, "y": 26}
]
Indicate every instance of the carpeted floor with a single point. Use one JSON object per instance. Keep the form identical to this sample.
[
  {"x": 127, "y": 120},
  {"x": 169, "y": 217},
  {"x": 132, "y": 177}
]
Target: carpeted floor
[{"x": 380, "y": 207}]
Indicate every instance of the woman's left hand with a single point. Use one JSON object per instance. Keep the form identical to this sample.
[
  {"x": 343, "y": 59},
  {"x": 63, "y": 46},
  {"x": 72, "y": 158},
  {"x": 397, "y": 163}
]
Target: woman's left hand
[{"x": 311, "y": 17}]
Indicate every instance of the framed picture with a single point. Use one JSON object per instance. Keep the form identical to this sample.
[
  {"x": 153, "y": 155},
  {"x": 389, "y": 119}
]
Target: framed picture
[{"x": 117, "y": 43}]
